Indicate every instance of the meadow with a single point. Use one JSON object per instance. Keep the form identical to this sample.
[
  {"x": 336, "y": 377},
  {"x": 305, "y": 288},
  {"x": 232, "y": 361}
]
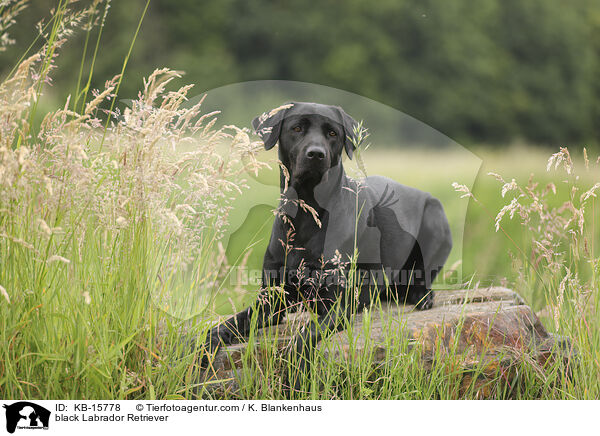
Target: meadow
[{"x": 122, "y": 231}]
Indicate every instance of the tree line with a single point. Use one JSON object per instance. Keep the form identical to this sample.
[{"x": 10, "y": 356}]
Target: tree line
[{"x": 490, "y": 71}]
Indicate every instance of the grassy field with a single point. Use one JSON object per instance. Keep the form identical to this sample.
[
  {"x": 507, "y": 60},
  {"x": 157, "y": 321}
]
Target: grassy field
[
  {"x": 116, "y": 237},
  {"x": 101, "y": 326}
]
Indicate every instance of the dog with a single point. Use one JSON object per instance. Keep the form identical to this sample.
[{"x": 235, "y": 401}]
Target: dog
[{"x": 337, "y": 243}]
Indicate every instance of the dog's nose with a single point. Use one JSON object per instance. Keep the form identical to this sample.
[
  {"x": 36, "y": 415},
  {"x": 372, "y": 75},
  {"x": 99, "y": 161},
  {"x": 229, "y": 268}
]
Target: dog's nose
[{"x": 315, "y": 152}]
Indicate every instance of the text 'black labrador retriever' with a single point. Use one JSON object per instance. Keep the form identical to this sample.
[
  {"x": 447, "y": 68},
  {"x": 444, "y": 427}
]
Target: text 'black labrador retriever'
[{"x": 337, "y": 242}]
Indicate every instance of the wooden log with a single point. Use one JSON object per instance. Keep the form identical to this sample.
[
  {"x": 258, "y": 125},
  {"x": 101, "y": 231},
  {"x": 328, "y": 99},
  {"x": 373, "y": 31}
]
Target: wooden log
[{"x": 486, "y": 326}]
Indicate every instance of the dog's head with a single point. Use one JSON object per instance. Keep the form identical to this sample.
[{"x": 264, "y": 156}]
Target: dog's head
[{"x": 311, "y": 138}]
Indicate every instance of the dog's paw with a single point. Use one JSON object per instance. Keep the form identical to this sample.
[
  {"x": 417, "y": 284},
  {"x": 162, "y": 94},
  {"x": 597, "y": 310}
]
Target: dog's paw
[
  {"x": 203, "y": 352},
  {"x": 421, "y": 297},
  {"x": 425, "y": 303},
  {"x": 208, "y": 351}
]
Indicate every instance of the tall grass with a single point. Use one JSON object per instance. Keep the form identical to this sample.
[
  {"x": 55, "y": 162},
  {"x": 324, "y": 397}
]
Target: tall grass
[
  {"x": 101, "y": 210},
  {"x": 555, "y": 257},
  {"x": 110, "y": 223}
]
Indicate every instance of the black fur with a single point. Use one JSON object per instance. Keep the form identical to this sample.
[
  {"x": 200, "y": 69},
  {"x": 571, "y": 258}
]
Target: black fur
[{"x": 401, "y": 233}]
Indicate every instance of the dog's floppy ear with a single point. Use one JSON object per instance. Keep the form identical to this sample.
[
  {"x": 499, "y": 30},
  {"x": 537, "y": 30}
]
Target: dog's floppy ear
[
  {"x": 348, "y": 123},
  {"x": 268, "y": 125}
]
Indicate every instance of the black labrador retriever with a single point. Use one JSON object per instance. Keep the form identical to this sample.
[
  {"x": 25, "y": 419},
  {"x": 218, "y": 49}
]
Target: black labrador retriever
[{"x": 337, "y": 243}]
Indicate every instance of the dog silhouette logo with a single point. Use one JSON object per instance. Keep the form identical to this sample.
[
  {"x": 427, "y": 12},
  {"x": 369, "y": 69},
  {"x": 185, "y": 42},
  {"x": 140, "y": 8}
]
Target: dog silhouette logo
[{"x": 26, "y": 415}]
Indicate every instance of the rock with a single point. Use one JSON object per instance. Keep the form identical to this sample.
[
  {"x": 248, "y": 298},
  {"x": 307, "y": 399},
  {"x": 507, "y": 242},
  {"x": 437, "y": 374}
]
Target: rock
[{"x": 487, "y": 327}]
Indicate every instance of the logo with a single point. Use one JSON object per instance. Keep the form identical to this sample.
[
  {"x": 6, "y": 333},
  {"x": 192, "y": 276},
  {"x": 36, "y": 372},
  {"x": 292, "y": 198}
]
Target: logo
[{"x": 26, "y": 415}]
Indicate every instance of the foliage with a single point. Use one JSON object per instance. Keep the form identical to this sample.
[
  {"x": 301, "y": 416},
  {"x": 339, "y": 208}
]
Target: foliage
[{"x": 493, "y": 72}]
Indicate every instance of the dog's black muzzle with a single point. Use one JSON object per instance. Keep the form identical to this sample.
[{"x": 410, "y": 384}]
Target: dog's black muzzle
[{"x": 312, "y": 163}]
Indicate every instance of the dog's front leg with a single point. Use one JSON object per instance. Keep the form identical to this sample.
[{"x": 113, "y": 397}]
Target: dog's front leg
[
  {"x": 303, "y": 345},
  {"x": 268, "y": 310}
]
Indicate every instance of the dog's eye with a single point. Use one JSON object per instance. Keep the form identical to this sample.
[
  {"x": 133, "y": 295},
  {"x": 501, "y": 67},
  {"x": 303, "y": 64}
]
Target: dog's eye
[
  {"x": 332, "y": 133},
  {"x": 297, "y": 129}
]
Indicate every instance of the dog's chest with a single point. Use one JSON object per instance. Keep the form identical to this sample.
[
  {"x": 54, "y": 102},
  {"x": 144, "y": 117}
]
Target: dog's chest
[
  {"x": 307, "y": 242},
  {"x": 333, "y": 243}
]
